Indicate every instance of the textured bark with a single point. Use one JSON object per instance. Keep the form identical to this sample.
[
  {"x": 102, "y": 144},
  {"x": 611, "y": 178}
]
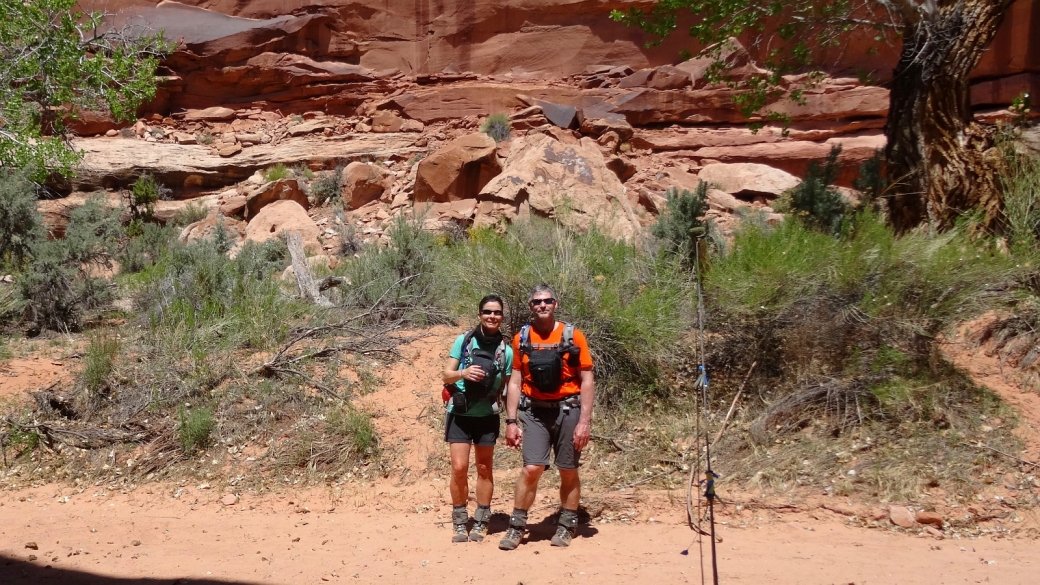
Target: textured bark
[{"x": 941, "y": 162}]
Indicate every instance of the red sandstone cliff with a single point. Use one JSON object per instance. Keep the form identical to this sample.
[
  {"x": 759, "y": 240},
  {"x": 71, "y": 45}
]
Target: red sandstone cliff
[{"x": 334, "y": 54}]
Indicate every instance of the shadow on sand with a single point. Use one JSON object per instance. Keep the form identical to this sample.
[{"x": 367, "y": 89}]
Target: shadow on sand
[{"x": 15, "y": 571}]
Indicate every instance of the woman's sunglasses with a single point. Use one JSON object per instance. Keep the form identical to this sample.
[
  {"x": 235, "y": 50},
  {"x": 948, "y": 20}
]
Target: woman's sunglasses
[{"x": 491, "y": 312}]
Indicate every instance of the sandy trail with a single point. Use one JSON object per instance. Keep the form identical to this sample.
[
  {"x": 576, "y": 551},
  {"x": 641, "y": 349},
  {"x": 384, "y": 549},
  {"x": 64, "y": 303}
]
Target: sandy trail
[
  {"x": 90, "y": 539},
  {"x": 396, "y": 530}
]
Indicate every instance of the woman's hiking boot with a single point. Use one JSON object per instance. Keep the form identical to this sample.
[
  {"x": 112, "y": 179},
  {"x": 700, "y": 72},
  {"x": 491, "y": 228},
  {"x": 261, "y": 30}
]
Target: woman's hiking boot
[
  {"x": 480, "y": 523},
  {"x": 565, "y": 530},
  {"x": 517, "y": 522},
  {"x": 459, "y": 518}
]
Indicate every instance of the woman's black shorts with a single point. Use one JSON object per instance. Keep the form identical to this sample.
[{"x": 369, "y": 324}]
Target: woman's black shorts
[{"x": 476, "y": 430}]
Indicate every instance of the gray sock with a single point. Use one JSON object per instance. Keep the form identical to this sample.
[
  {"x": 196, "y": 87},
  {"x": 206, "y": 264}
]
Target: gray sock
[
  {"x": 518, "y": 519},
  {"x": 459, "y": 515},
  {"x": 568, "y": 518}
]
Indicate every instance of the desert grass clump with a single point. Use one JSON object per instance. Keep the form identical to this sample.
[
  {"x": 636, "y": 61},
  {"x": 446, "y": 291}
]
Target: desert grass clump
[
  {"x": 498, "y": 127},
  {"x": 195, "y": 428},
  {"x": 99, "y": 362},
  {"x": 1021, "y": 183},
  {"x": 327, "y": 186},
  {"x": 277, "y": 173},
  {"x": 188, "y": 215}
]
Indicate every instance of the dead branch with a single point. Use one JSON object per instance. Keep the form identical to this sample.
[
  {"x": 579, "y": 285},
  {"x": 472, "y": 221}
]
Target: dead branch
[
  {"x": 725, "y": 421},
  {"x": 608, "y": 440},
  {"x": 304, "y": 279}
]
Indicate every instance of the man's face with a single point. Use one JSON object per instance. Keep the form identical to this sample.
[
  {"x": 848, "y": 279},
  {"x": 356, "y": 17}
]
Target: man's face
[{"x": 543, "y": 305}]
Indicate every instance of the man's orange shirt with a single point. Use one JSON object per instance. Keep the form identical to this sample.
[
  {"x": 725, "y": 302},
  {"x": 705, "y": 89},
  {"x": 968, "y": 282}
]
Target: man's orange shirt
[{"x": 572, "y": 385}]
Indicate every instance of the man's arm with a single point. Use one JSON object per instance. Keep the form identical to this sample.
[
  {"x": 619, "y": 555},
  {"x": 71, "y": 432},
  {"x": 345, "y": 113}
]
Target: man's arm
[{"x": 583, "y": 430}]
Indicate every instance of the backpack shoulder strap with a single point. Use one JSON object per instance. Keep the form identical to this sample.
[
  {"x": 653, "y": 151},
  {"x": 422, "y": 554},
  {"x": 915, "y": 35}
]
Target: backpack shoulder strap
[
  {"x": 568, "y": 335},
  {"x": 500, "y": 355},
  {"x": 525, "y": 338},
  {"x": 466, "y": 342}
]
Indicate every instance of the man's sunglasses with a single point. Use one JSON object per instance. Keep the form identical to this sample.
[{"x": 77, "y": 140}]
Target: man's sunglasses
[
  {"x": 548, "y": 301},
  {"x": 491, "y": 312}
]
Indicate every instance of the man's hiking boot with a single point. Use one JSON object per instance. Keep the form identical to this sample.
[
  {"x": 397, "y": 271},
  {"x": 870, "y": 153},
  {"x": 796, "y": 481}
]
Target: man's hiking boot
[
  {"x": 459, "y": 518},
  {"x": 479, "y": 531},
  {"x": 562, "y": 537},
  {"x": 512, "y": 538},
  {"x": 568, "y": 521},
  {"x": 460, "y": 534}
]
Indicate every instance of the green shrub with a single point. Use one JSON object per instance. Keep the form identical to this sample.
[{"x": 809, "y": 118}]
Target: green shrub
[
  {"x": 682, "y": 216},
  {"x": 60, "y": 285},
  {"x": 195, "y": 429},
  {"x": 205, "y": 137},
  {"x": 145, "y": 248},
  {"x": 498, "y": 127},
  {"x": 302, "y": 171},
  {"x": 188, "y": 215},
  {"x": 327, "y": 187},
  {"x": 143, "y": 195},
  {"x": 871, "y": 181},
  {"x": 99, "y": 362},
  {"x": 397, "y": 280},
  {"x": 20, "y": 224},
  {"x": 357, "y": 428},
  {"x": 815, "y": 201},
  {"x": 277, "y": 173},
  {"x": 633, "y": 306}
]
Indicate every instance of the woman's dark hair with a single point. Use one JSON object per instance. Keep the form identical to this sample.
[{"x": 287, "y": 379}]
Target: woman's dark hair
[{"x": 491, "y": 298}]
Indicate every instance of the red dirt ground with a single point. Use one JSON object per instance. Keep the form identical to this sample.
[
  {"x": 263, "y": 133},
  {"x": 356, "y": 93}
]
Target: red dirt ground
[{"x": 395, "y": 530}]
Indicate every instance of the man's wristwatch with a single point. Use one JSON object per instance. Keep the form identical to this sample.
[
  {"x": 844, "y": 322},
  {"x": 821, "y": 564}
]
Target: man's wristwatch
[{"x": 510, "y": 421}]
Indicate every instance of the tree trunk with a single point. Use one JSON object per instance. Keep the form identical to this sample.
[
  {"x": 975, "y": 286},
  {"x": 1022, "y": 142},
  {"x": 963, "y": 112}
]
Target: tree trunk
[{"x": 940, "y": 161}]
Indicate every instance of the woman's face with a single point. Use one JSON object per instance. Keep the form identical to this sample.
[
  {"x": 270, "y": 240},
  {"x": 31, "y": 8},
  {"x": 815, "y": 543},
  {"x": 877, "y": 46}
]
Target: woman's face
[{"x": 491, "y": 316}]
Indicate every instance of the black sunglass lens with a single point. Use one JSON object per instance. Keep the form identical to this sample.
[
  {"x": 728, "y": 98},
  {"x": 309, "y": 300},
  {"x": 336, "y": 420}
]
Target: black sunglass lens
[{"x": 489, "y": 312}]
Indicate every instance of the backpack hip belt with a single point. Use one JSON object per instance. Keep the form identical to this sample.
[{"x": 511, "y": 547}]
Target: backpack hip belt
[{"x": 528, "y": 403}]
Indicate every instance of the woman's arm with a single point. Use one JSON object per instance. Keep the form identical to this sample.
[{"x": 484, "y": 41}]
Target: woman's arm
[{"x": 452, "y": 374}]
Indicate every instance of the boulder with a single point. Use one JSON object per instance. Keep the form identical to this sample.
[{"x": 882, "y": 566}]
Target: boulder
[
  {"x": 459, "y": 170},
  {"x": 637, "y": 79},
  {"x": 310, "y": 126},
  {"x": 561, "y": 115},
  {"x": 600, "y": 126},
  {"x": 544, "y": 176},
  {"x": 283, "y": 216},
  {"x": 362, "y": 182},
  {"x": 621, "y": 167},
  {"x": 445, "y": 216},
  {"x": 391, "y": 121},
  {"x": 281, "y": 190},
  {"x": 930, "y": 518},
  {"x": 732, "y": 54},
  {"x": 205, "y": 228},
  {"x": 55, "y": 212},
  {"x": 748, "y": 181},
  {"x": 668, "y": 77},
  {"x": 901, "y": 516},
  {"x": 214, "y": 114}
]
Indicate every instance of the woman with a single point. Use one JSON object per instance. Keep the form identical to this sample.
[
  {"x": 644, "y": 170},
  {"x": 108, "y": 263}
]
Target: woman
[{"x": 478, "y": 366}]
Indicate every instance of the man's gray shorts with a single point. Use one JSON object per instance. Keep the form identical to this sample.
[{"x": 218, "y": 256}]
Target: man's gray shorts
[{"x": 550, "y": 429}]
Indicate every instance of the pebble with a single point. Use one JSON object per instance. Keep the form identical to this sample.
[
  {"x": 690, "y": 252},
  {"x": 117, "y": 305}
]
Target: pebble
[{"x": 32, "y": 545}]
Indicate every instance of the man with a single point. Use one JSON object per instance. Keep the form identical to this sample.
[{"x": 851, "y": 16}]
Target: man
[{"x": 552, "y": 390}]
